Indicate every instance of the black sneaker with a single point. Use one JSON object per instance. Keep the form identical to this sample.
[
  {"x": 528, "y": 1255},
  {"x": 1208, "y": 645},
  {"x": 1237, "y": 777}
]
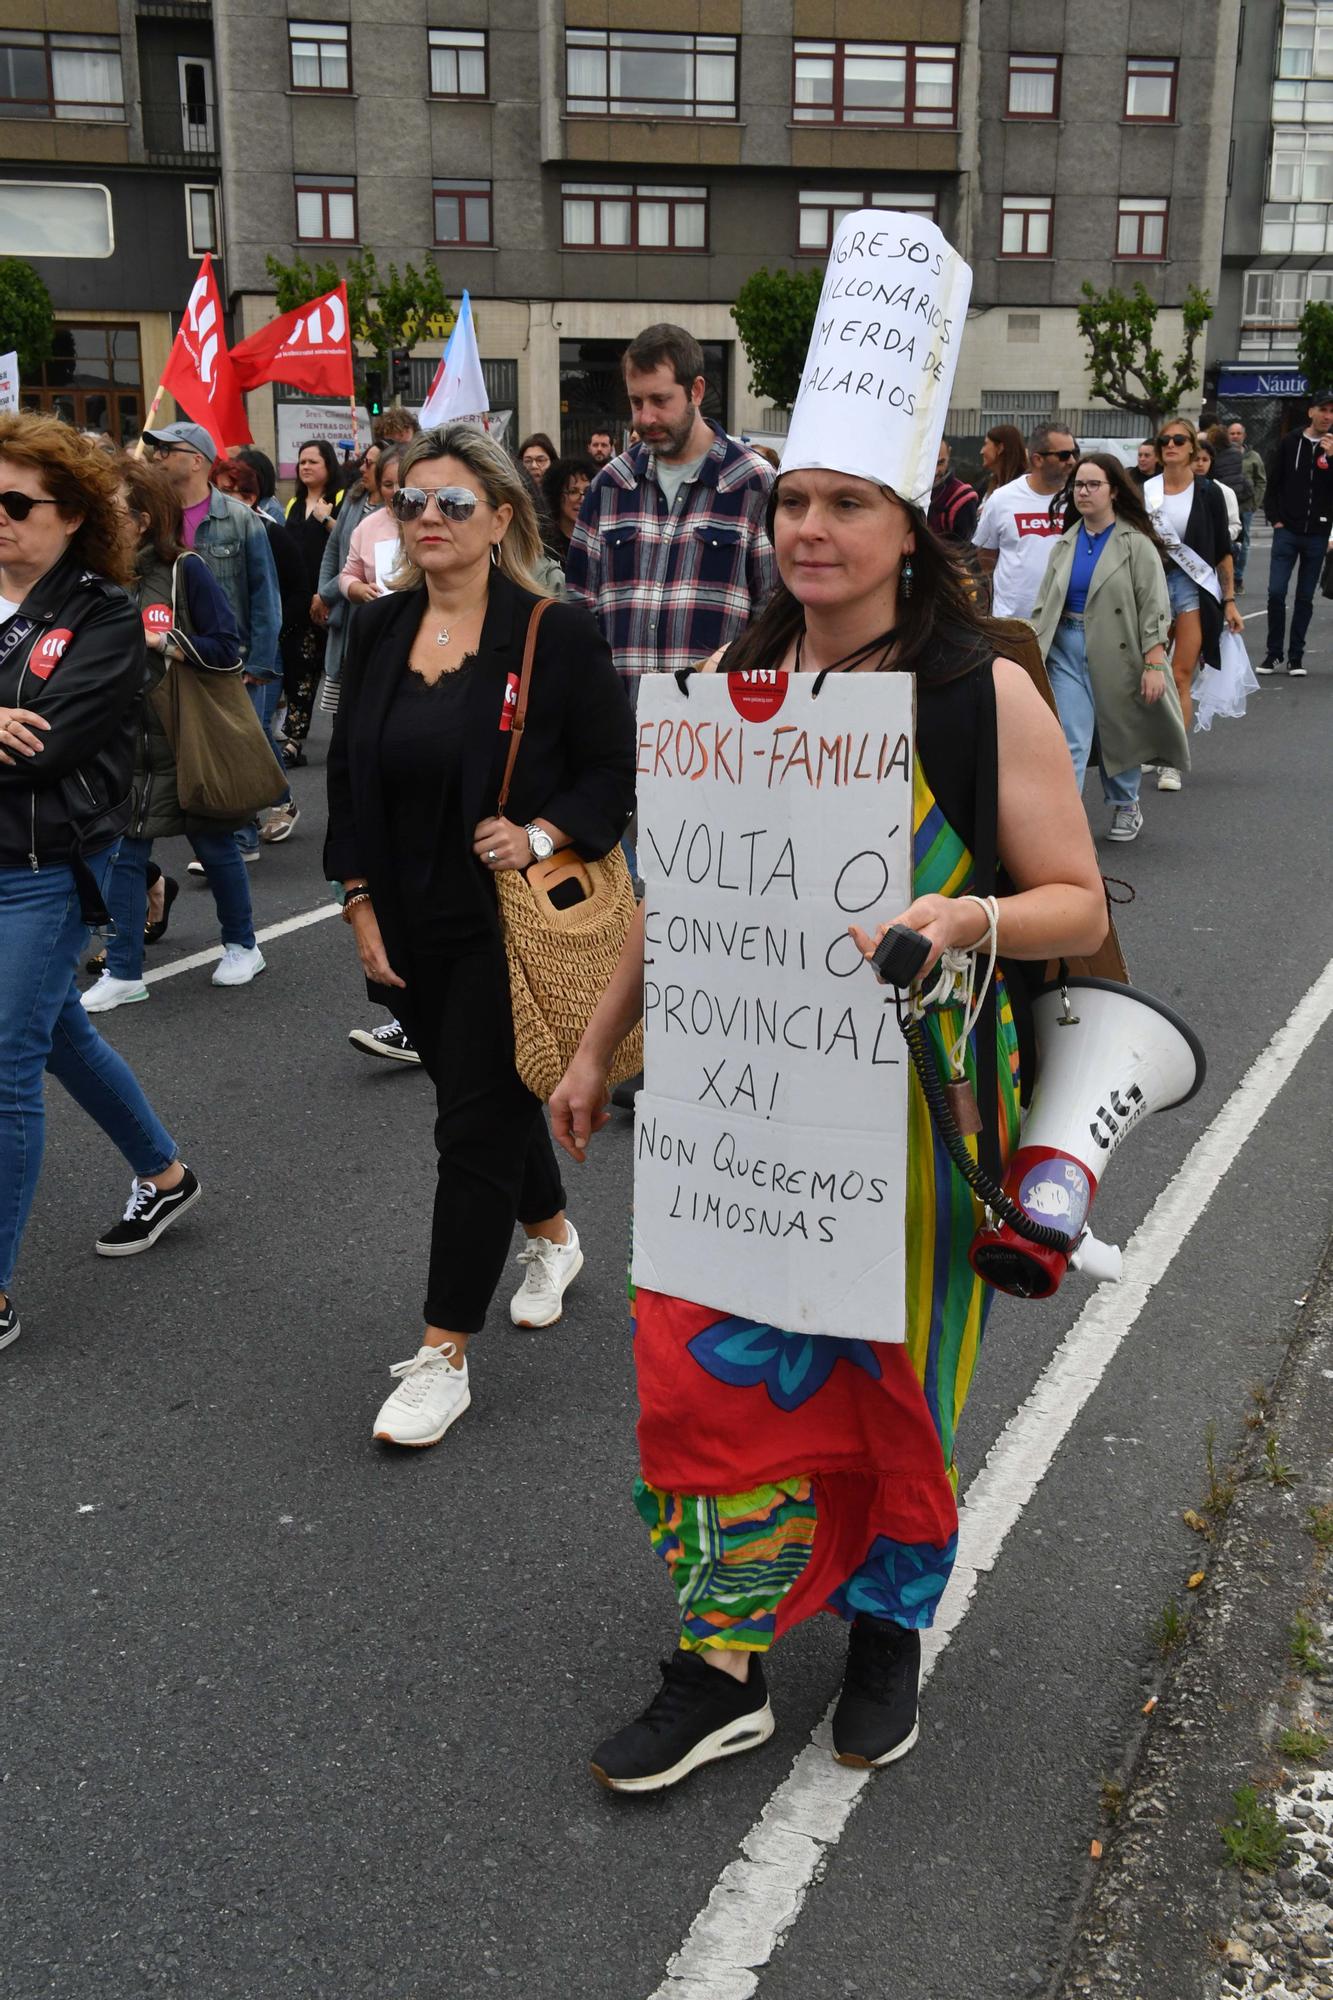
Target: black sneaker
[
  {"x": 699, "y": 1713},
  {"x": 875, "y": 1721},
  {"x": 1269, "y": 663},
  {"x": 9, "y": 1323},
  {"x": 149, "y": 1212},
  {"x": 387, "y": 1041},
  {"x": 1296, "y": 669}
]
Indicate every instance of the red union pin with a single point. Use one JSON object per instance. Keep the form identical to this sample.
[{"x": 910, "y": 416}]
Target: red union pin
[
  {"x": 47, "y": 652},
  {"x": 757, "y": 694},
  {"x": 157, "y": 618}
]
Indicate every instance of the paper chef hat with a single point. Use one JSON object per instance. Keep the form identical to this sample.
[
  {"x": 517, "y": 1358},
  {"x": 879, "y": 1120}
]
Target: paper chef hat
[{"x": 875, "y": 390}]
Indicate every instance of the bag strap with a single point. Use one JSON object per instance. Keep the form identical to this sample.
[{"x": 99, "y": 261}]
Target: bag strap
[{"x": 539, "y": 611}]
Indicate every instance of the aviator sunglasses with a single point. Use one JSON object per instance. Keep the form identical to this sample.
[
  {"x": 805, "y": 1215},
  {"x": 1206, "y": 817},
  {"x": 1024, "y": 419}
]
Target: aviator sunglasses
[
  {"x": 455, "y": 503},
  {"x": 18, "y": 506}
]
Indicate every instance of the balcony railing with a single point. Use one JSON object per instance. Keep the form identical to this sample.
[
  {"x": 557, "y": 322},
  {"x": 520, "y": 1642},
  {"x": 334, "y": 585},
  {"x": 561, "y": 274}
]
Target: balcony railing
[{"x": 181, "y": 133}]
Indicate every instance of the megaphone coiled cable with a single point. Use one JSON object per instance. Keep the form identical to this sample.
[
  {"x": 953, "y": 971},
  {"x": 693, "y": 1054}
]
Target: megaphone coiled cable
[{"x": 980, "y": 1182}]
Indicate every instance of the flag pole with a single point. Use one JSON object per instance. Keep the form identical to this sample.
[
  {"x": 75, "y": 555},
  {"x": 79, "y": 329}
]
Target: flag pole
[{"x": 148, "y": 420}]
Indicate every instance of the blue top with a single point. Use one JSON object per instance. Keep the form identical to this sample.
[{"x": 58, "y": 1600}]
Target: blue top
[{"x": 1087, "y": 548}]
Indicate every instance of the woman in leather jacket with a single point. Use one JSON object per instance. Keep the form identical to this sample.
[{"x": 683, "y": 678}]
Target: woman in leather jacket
[{"x": 71, "y": 667}]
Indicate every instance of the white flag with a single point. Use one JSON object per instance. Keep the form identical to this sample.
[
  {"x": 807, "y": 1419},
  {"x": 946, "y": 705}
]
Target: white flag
[{"x": 458, "y": 392}]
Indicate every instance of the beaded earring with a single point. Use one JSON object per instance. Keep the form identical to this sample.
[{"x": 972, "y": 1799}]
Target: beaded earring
[{"x": 905, "y": 578}]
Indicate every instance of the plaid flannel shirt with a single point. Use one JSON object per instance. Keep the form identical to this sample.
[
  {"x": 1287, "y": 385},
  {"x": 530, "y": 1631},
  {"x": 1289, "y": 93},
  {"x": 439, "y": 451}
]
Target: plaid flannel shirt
[{"x": 668, "y": 586}]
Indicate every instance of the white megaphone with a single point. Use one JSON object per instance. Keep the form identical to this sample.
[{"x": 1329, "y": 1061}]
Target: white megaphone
[{"x": 1106, "y": 1056}]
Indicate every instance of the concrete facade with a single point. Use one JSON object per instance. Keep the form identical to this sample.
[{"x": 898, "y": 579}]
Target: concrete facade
[{"x": 387, "y": 138}]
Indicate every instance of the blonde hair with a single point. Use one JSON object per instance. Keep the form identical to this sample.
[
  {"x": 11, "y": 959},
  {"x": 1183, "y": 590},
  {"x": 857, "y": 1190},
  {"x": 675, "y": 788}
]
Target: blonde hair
[
  {"x": 1179, "y": 423},
  {"x": 521, "y": 547}
]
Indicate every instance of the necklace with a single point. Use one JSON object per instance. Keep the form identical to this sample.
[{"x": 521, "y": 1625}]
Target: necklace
[
  {"x": 442, "y": 636},
  {"x": 850, "y": 661},
  {"x": 1090, "y": 541}
]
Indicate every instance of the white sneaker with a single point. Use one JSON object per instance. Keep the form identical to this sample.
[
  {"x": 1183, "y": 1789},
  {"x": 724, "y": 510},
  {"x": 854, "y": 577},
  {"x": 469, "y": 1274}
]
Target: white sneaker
[
  {"x": 197, "y": 869},
  {"x": 1168, "y": 778},
  {"x": 108, "y": 992},
  {"x": 551, "y": 1269},
  {"x": 239, "y": 965},
  {"x": 1126, "y": 823},
  {"x": 431, "y": 1395}
]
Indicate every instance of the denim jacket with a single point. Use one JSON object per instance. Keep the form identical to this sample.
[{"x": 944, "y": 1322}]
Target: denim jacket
[{"x": 234, "y": 543}]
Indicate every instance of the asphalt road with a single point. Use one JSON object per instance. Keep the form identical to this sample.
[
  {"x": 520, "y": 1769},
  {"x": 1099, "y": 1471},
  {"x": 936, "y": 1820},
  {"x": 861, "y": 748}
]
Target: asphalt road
[{"x": 288, "y": 1715}]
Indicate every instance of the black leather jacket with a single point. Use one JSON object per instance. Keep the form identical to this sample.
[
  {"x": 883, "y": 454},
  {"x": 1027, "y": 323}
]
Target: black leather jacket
[{"x": 73, "y": 653}]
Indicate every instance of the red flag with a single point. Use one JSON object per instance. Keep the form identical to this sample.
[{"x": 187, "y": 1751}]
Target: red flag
[
  {"x": 310, "y": 348},
  {"x": 199, "y": 373}
]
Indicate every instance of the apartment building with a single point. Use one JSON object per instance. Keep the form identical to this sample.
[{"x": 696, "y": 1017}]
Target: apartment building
[
  {"x": 586, "y": 166},
  {"x": 108, "y": 186},
  {"x": 1277, "y": 251}
]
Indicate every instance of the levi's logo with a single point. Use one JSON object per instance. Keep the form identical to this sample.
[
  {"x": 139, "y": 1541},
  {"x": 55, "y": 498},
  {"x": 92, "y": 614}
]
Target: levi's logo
[
  {"x": 1036, "y": 524},
  {"x": 510, "y": 705},
  {"x": 48, "y": 651},
  {"x": 156, "y": 618}
]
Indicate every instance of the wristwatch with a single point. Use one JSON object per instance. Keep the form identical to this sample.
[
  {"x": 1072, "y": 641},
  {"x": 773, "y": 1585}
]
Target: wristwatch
[{"x": 541, "y": 843}]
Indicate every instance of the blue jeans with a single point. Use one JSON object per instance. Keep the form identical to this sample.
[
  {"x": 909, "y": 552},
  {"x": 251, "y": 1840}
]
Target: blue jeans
[
  {"x": 1289, "y": 550},
  {"x": 266, "y": 700},
  {"x": 1241, "y": 552},
  {"x": 44, "y": 1027},
  {"x": 127, "y": 898},
  {"x": 1071, "y": 684}
]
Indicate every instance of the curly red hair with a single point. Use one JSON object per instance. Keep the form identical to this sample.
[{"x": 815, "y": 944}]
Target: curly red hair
[{"x": 81, "y": 479}]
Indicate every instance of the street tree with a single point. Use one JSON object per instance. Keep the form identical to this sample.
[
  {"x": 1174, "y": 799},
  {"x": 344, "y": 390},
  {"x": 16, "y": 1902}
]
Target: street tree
[
  {"x": 27, "y": 322},
  {"x": 383, "y": 312},
  {"x": 775, "y": 316},
  {"x": 1128, "y": 369},
  {"x": 1314, "y": 345}
]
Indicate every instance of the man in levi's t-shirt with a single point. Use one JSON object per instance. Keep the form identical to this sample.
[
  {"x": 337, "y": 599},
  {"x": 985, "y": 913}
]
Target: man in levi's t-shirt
[{"x": 1016, "y": 530}]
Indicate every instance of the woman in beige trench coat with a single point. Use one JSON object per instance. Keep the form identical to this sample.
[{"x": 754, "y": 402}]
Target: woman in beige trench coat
[{"x": 1102, "y": 617}]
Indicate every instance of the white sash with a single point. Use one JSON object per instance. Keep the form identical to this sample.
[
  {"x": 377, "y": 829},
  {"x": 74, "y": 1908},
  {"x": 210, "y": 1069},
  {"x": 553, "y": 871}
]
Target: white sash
[{"x": 1196, "y": 569}]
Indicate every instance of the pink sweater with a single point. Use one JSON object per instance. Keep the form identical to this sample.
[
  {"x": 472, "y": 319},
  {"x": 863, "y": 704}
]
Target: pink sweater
[{"x": 360, "y": 565}]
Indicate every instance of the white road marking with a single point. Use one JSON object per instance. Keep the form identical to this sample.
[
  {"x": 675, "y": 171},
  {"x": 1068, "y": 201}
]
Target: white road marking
[
  {"x": 214, "y": 952},
  {"x": 759, "y": 1895}
]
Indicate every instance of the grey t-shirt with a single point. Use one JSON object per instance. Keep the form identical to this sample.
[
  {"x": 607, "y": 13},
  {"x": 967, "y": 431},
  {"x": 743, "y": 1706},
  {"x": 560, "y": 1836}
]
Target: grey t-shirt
[{"x": 673, "y": 474}]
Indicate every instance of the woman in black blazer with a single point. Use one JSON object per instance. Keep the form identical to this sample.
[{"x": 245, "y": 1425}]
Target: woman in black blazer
[{"x": 429, "y": 680}]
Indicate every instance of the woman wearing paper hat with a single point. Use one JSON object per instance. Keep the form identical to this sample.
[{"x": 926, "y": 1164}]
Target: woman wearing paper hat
[{"x": 782, "y": 1474}]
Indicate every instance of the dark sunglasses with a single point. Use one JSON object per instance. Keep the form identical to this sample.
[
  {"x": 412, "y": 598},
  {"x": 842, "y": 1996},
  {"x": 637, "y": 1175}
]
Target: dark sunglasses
[
  {"x": 18, "y": 506},
  {"x": 1173, "y": 437},
  {"x": 455, "y": 503},
  {"x": 1063, "y": 456}
]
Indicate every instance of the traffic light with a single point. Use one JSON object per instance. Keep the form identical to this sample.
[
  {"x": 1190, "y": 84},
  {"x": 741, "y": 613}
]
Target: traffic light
[
  {"x": 375, "y": 391},
  {"x": 400, "y": 370}
]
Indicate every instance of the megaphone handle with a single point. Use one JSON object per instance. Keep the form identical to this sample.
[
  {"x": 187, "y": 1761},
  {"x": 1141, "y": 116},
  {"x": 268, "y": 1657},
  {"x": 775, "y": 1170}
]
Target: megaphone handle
[{"x": 981, "y": 1183}]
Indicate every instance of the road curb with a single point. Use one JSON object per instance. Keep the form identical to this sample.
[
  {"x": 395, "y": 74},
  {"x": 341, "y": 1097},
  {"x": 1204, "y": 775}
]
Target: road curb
[{"x": 1161, "y": 1905}]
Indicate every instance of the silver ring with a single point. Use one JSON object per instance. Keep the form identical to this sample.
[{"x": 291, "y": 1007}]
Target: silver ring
[{"x": 492, "y": 854}]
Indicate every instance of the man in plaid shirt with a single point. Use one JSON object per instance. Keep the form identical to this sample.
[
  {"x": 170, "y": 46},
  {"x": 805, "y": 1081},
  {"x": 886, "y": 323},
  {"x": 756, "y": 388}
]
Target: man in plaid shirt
[{"x": 670, "y": 552}]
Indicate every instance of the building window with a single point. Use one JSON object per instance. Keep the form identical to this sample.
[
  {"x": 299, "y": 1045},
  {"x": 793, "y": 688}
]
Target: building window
[
  {"x": 875, "y": 83},
  {"x": 616, "y": 73},
  {"x": 326, "y": 210},
  {"x": 1141, "y": 229},
  {"x": 820, "y": 210},
  {"x": 457, "y": 62},
  {"x": 74, "y": 214},
  {"x": 463, "y": 212},
  {"x": 603, "y": 217},
  {"x": 321, "y": 57},
  {"x": 201, "y": 220},
  {"x": 93, "y": 378},
  {"x": 1034, "y": 86},
  {"x": 1303, "y": 228},
  {"x": 1273, "y": 304},
  {"x": 1302, "y": 169},
  {"x": 60, "y": 76},
  {"x": 1150, "y": 89},
  {"x": 1025, "y": 228}
]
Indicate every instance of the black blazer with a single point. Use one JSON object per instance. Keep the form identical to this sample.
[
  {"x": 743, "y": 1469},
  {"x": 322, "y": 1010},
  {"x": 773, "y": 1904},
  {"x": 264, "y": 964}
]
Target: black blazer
[
  {"x": 1208, "y": 533},
  {"x": 575, "y": 767}
]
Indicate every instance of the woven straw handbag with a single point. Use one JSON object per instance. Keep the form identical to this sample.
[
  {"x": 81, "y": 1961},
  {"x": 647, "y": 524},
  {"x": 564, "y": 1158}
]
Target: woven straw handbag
[{"x": 565, "y": 922}]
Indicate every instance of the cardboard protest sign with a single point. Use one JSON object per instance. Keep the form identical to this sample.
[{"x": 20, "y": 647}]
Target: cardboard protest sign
[
  {"x": 882, "y": 354},
  {"x": 771, "y": 1138}
]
